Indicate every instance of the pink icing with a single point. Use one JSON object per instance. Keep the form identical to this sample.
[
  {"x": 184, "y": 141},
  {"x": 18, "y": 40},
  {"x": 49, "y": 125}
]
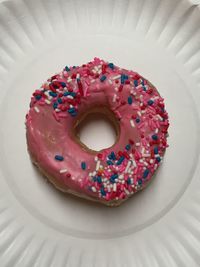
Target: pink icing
[{"x": 143, "y": 130}]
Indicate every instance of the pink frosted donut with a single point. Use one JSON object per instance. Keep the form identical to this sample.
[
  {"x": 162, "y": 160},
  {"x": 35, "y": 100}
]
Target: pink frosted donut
[{"x": 131, "y": 103}]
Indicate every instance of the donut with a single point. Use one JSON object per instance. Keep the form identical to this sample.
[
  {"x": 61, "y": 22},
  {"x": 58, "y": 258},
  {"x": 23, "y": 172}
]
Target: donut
[{"x": 130, "y": 102}]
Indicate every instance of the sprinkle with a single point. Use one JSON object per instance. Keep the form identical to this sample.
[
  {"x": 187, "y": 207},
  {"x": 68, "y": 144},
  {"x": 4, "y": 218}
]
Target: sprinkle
[
  {"x": 130, "y": 100},
  {"x": 114, "y": 98},
  {"x": 97, "y": 165},
  {"x": 116, "y": 77},
  {"x": 113, "y": 178},
  {"x": 128, "y": 166},
  {"x": 55, "y": 105},
  {"x": 63, "y": 170},
  {"x": 67, "y": 68},
  {"x": 112, "y": 155},
  {"x": 109, "y": 162},
  {"x": 114, "y": 187},
  {"x": 38, "y": 97},
  {"x": 128, "y": 147},
  {"x": 103, "y": 192},
  {"x": 120, "y": 160},
  {"x": 150, "y": 102},
  {"x": 154, "y": 137},
  {"x": 145, "y": 173},
  {"x": 103, "y": 78},
  {"x": 59, "y": 100},
  {"x": 93, "y": 189},
  {"x": 59, "y": 158},
  {"x": 135, "y": 83},
  {"x": 83, "y": 165},
  {"x": 158, "y": 159},
  {"x": 137, "y": 120},
  {"x": 111, "y": 65},
  {"x": 99, "y": 180},
  {"x": 132, "y": 123},
  {"x": 155, "y": 150},
  {"x": 47, "y": 101}
]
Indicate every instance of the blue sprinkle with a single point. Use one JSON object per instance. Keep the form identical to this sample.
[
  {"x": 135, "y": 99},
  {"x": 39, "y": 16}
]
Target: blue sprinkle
[
  {"x": 73, "y": 114},
  {"x": 38, "y": 97},
  {"x": 63, "y": 84},
  {"x": 111, "y": 65},
  {"x": 130, "y": 100},
  {"x": 74, "y": 67},
  {"x": 135, "y": 83},
  {"x": 144, "y": 88},
  {"x": 73, "y": 94},
  {"x": 128, "y": 181},
  {"x": 52, "y": 94},
  {"x": 150, "y": 102},
  {"x": 103, "y": 192},
  {"x": 158, "y": 159},
  {"x": 103, "y": 78},
  {"x": 145, "y": 173},
  {"x": 128, "y": 147},
  {"x": 83, "y": 165},
  {"x": 124, "y": 77},
  {"x": 55, "y": 105},
  {"x": 71, "y": 110},
  {"x": 120, "y": 160},
  {"x": 155, "y": 150},
  {"x": 154, "y": 137},
  {"x": 137, "y": 120},
  {"x": 99, "y": 180},
  {"x": 59, "y": 158},
  {"x": 66, "y": 93},
  {"x": 67, "y": 68},
  {"x": 94, "y": 178},
  {"x": 113, "y": 177},
  {"x": 142, "y": 82},
  {"x": 109, "y": 162},
  {"x": 59, "y": 100},
  {"x": 140, "y": 181},
  {"x": 112, "y": 156}
]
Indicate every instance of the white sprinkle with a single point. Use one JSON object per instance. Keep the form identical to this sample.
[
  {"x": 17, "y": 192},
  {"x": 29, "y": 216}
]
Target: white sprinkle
[
  {"x": 134, "y": 163},
  {"x": 94, "y": 173},
  {"x": 151, "y": 161},
  {"x": 146, "y": 155},
  {"x": 137, "y": 144},
  {"x": 108, "y": 188},
  {"x": 155, "y": 166},
  {"x": 128, "y": 166},
  {"x": 98, "y": 165},
  {"x": 123, "y": 182},
  {"x": 121, "y": 176},
  {"x": 110, "y": 82},
  {"x": 161, "y": 119},
  {"x": 93, "y": 189},
  {"x": 132, "y": 123},
  {"x": 77, "y": 75},
  {"x": 116, "y": 77},
  {"x": 127, "y": 192},
  {"x": 37, "y": 109},
  {"x": 57, "y": 110},
  {"x": 70, "y": 96},
  {"x": 116, "y": 89},
  {"x": 63, "y": 170},
  {"x": 114, "y": 98},
  {"x": 90, "y": 174},
  {"x": 96, "y": 68},
  {"x": 47, "y": 101},
  {"x": 95, "y": 158},
  {"x": 139, "y": 113},
  {"x": 145, "y": 163},
  {"x": 114, "y": 187},
  {"x": 156, "y": 131},
  {"x": 142, "y": 151},
  {"x": 92, "y": 81}
]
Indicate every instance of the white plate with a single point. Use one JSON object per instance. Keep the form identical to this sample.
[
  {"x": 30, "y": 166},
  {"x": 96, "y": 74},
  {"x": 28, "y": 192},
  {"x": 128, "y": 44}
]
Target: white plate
[{"x": 161, "y": 225}]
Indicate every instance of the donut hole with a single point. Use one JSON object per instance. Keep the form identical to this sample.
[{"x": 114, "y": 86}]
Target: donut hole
[{"x": 97, "y": 129}]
